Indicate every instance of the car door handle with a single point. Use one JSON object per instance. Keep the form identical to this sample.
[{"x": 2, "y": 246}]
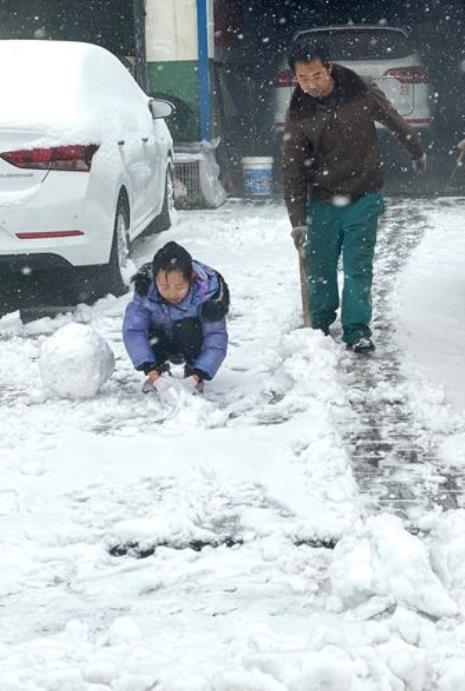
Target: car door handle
[
  {"x": 121, "y": 142},
  {"x": 145, "y": 139}
]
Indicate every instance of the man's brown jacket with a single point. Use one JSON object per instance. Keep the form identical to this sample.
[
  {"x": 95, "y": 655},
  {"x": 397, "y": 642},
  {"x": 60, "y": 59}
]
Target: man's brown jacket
[{"x": 334, "y": 151}]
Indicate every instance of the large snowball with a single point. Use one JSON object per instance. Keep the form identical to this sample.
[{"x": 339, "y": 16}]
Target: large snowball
[{"x": 75, "y": 362}]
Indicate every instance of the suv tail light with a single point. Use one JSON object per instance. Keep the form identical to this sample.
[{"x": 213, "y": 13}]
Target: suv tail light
[
  {"x": 409, "y": 75},
  {"x": 74, "y": 157},
  {"x": 285, "y": 78}
]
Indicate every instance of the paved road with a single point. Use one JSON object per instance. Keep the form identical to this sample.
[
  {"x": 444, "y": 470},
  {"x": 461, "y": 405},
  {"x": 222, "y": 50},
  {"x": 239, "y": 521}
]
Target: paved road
[{"x": 394, "y": 458}]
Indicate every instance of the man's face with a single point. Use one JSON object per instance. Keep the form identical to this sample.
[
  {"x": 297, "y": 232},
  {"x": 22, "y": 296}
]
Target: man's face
[{"x": 314, "y": 78}]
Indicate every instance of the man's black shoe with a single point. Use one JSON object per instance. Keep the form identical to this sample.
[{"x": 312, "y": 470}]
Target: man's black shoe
[{"x": 362, "y": 345}]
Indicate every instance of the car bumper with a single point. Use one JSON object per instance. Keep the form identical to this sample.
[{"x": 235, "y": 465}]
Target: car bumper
[
  {"x": 60, "y": 205},
  {"x": 29, "y": 263}
]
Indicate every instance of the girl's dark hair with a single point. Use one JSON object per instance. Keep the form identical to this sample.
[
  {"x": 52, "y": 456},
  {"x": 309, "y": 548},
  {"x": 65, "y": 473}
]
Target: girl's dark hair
[
  {"x": 172, "y": 257},
  {"x": 306, "y": 50}
]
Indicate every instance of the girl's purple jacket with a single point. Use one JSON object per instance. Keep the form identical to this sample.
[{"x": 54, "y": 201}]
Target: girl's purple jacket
[{"x": 146, "y": 312}]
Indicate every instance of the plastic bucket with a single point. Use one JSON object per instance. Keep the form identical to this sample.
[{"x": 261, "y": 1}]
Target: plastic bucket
[{"x": 257, "y": 172}]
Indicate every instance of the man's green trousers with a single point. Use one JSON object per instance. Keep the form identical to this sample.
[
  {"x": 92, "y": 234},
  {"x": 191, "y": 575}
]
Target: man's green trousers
[{"x": 350, "y": 230}]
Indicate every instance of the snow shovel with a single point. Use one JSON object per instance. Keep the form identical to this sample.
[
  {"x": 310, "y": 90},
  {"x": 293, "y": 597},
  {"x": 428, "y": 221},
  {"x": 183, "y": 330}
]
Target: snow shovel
[
  {"x": 304, "y": 291},
  {"x": 458, "y": 164}
]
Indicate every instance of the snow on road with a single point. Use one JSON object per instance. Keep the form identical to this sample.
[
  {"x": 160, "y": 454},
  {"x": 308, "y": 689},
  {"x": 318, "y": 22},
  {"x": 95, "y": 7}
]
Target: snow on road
[
  {"x": 430, "y": 301},
  {"x": 228, "y": 496}
]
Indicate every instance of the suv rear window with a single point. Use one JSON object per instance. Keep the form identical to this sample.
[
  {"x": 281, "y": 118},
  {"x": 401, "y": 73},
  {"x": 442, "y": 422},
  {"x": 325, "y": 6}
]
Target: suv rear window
[{"x": 362, "y": 44}]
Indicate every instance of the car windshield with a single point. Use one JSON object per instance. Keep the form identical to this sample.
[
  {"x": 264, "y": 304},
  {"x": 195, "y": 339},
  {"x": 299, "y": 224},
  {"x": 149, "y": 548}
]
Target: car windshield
[{"x": 363, "y": 44}]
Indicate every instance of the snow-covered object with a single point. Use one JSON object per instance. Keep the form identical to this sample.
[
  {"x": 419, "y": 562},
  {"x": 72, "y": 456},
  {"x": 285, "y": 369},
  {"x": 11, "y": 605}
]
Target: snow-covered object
[
  {"x": 76, "y": 361},
  {"x": 211, "y": 193},
  {"x": 84, "y": 99}
]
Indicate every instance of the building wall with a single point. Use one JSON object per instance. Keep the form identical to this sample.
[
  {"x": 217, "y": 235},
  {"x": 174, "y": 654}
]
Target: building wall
[{"x": 172, "y": 54}]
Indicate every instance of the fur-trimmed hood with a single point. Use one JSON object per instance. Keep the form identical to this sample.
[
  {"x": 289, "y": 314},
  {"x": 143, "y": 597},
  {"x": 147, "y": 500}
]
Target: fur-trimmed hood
[
  {"x": 348, "y": 84},
  {"x": 208, "y": 289}
]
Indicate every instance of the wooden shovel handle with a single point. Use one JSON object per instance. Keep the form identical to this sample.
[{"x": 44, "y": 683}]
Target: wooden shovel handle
[{"x": 304, "y": 291}]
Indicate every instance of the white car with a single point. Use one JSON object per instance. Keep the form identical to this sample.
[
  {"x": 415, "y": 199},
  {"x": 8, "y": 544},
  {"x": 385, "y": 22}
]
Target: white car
[
  {"x": 86, "y": 161},
  {"x": 380, "y": 54}
]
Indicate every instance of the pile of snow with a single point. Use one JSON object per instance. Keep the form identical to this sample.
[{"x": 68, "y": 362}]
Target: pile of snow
[
  {"x": 448, "y": 548},
  {"x": 381, "y": 558},
  {"x": 76, "y": 362}
]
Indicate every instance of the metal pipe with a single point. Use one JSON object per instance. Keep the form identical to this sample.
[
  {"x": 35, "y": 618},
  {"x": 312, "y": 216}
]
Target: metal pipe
[{"x": 204, "y": 88}]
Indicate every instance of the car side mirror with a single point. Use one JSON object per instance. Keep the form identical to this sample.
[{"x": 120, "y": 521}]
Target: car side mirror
[{"x": 160, "y": 108}]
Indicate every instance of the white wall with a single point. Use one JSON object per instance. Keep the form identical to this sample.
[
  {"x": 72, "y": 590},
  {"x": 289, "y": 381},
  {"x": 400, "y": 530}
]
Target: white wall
[{"x": 171, "y": 29}]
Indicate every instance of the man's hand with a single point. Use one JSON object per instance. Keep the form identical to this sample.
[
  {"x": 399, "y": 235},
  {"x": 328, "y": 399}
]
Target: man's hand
[
  {"x": 299, "y": 234},
  {"x": 419, "y": 166}
]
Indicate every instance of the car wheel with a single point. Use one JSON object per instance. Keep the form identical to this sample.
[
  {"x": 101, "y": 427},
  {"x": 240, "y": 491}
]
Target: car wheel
[
  {"x": 91, "y": 283},
  {"x": 115, "y": 276},
  {"x": 165, "y": 219}
]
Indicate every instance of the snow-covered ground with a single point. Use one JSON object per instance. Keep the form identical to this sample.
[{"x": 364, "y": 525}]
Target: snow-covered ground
[
  {"x": 431, "y": 304},
  {"x": 242, "y": 493}
]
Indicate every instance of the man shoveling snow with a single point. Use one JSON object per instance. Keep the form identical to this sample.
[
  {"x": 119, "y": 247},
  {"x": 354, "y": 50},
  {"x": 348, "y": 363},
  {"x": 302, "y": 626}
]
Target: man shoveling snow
[
  {"x": 177, "y": 315},
  {"x": 332, "y": 184}
]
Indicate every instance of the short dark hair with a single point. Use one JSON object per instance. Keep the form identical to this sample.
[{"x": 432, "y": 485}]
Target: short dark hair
[
  {"x": 172, "y": 257},
  {"x": 306, "y": 50}
]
